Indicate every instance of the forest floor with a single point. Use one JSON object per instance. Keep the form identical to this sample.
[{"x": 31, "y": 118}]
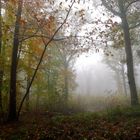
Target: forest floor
[{"x": 108, "y": 125}]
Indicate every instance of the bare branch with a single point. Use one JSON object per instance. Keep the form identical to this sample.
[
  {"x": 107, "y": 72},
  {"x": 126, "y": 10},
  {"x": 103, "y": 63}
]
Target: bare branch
[
  {"x": 44, "y": 36},
  {"x": 41, "y": 58},
  {"x": 130, "y": 3},
  {"x": 49, "y": 37},
  {"x": 110, "y": 8},
  {"x": 135, "y": 26}
]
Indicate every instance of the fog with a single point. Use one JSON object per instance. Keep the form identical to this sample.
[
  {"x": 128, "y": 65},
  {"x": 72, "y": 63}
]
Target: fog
[{"x": 93, "y": 76}]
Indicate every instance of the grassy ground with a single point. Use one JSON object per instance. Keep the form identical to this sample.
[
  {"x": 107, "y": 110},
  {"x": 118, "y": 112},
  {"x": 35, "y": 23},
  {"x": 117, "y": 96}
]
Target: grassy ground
[{"x": 112, "y": 124}]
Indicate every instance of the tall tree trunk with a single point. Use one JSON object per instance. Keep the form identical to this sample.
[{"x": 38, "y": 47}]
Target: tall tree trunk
[
  {"x": 66, "y": 88},
  {"x": 118, "y": 80},
  {"x": 124, "y": 81},
  {"x": 37, "y": 98},
  {"x": 28, "y": 83},
  {"x": 12, "y": 115},
  {"x": 1, "y": 83},
  {"x": 48, "y": 77},
  {"x": 28, "y": 96},
  {"x": 129, "y": 56},
  {"x": 1, "y": 61}
]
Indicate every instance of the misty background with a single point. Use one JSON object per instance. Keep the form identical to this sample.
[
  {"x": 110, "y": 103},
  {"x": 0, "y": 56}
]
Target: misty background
[{"x": 95, "y": 77}]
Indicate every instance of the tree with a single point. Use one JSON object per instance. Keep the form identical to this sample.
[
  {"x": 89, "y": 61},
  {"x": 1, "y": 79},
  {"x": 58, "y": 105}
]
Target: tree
[
  {"x": 46, "y": 43},
  {"x": 12, "y": 116},
  {"x": 120, "y": 9},
  {"x": 115, "y": 54},
  {"x": 1, "y": 67},
  {"x": 68, "y": 50},
  {"x": 24, "y": 32},
  {"x": 5, "y": 50},
  {"x": 115, "y": 59}
]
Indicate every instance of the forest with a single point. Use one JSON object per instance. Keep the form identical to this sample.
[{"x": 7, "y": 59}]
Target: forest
[{"x": 43, "y": 95}]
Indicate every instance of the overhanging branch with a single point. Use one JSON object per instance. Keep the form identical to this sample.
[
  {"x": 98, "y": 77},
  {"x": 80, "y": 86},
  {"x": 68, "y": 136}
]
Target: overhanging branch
[
  {"x": 130, "y": 3},
  {"x": 110, "y": 8},
  {"x": 41, "y": 58},
  {"x": 135, "y": 26}
]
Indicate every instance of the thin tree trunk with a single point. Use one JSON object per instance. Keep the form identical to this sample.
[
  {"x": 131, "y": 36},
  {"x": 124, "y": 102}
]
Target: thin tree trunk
[
  {"x": 12, "y": 115},
  {"x": 41, "y": 58},
  {"x": 1, "y": 73},
  {"x": 128, "y": 49},
  {"x": 37, "y": 99},
  {"x": 66, "y": 92},
  {"x": 124, "y": 81},
  {"x": 48, "y": 76},
  {"x": 118, "y": 80},
  {"x": 28, "y": 83},
  {"x": 129, "y": 56},
  {"x": 66, "y": 88},
  {"x": 1, "y": 82},
  {"x": 1, "y": 59},
  {"x": 28, "y": 96}
]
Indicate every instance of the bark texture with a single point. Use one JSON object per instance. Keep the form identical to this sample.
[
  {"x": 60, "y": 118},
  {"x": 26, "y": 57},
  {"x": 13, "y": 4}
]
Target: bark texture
[{"x": 12, "y": 115}]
